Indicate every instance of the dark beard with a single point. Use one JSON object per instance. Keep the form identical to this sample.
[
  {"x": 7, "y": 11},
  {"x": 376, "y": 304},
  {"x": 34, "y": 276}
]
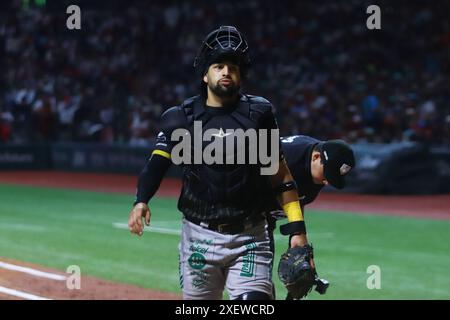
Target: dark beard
[{"x": 224, "y": 92}]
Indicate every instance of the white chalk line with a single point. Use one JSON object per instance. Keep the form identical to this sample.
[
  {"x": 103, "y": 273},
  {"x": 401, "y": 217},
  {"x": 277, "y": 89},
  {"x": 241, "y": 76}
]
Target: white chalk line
[
  {"x": 21, "y": 294},
  {"x": 124, "y": 226},
  {"x": 32, "y": 272}
]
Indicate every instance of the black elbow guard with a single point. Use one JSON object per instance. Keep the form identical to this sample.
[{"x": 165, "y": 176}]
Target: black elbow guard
[{"x": 287, "y": 186}]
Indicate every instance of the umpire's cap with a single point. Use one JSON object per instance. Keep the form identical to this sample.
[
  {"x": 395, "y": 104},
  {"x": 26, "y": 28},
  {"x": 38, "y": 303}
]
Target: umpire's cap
[
  {"x": 224, "y": 43},
  {"x": 338, "y": 159}
]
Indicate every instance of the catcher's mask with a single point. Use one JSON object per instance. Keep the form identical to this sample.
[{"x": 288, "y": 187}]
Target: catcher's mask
[{"x": 225, "y": 43}]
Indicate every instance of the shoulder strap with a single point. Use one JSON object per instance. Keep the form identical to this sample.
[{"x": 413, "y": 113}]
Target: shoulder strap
[
  {"x": 259, "y": 106},
  {"x": 198, "y": 111},
  {"x": 187, "y": 107},
  {"x": 173, "y": 118},
  {"x": 182, "y": 116},
  {"x": 250, "y": 110},
  {"x": 242, "y": 113}
]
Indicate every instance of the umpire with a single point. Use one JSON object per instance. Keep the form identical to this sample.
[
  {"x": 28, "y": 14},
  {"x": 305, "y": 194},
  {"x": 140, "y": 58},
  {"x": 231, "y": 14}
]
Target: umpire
[
  {"x": 313, "y": 164},
  {"x": 225, "y": 241}
]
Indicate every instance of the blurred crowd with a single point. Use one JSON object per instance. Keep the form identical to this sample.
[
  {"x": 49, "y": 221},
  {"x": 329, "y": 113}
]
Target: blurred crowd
[{"x": 327, "y": 75}]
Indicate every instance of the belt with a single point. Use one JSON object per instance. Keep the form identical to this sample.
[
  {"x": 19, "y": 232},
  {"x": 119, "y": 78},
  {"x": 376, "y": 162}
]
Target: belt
[{"x": 234, "y": 227}]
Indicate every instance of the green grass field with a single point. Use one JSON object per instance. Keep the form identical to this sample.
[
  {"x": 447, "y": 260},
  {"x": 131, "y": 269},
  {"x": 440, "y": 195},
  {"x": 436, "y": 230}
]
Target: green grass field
[{"x": 59, "y": 227}]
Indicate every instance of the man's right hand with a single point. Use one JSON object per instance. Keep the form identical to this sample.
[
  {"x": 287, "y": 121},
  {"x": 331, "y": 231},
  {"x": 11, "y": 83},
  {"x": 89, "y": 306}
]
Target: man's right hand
[
  {"x": 300, "y": 240},
  {"x": 135, "y": 224}
]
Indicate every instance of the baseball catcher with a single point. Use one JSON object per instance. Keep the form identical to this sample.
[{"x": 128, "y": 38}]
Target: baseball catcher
[{"x": 224, "y": 240}]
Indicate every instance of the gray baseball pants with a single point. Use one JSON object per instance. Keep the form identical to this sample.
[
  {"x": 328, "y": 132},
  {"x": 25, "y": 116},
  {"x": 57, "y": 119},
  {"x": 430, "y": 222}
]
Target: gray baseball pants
[{"x": 211, "y": 261}]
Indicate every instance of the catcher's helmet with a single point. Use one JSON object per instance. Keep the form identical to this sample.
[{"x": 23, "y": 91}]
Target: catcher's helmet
[{"x": 223, "y": 43}]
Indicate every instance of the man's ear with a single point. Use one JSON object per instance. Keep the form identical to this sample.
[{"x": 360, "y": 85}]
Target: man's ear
[
  {"x": 205, "y": 78},
  {"x": 316, "y": 155}
]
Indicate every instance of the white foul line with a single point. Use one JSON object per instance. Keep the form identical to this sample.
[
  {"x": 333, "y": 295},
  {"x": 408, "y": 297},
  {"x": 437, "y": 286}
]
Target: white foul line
[
  {"x": 33, "y": 272},
  {"x": 124, "y": 226},
  {"x": 21, "y": 294}
]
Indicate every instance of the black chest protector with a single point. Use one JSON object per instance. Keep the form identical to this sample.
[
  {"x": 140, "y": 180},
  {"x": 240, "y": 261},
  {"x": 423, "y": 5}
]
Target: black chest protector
[{"x": 225, "y": 191}]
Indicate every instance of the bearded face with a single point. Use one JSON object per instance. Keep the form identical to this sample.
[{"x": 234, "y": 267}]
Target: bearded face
[
  {"x": 224, "y": 91},
  {"x": 223, "y": 79}
]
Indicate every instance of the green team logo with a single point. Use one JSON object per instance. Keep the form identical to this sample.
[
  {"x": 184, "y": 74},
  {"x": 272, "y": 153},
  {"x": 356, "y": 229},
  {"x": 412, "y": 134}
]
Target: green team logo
[
  {"x": 197, "y": 261},
  {"x": 180, "y": 272},
  {"x": 248, "y": 263},
  {"x": 198, "y": 282},
  {"x": 200, "y": 278}
]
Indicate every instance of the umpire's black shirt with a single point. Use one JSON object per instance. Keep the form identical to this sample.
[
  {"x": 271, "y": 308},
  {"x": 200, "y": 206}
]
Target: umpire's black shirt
[{"x": 297, "y": 152}]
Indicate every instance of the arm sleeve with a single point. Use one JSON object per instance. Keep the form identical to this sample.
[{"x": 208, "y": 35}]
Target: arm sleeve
[
  {"x": 160, "y": 160},
  {"x": 154, "y": 171}
]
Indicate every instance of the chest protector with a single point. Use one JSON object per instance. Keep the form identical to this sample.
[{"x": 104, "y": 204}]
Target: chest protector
[{"x": 223, "y": 190}]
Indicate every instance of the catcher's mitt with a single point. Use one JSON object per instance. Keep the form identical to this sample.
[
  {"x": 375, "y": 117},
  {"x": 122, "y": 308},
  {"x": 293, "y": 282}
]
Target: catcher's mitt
[{"x": 296, "y": 272}]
